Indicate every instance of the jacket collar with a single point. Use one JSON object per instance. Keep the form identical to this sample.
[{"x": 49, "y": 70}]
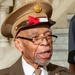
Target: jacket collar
[{"x": 17, "y": 69}]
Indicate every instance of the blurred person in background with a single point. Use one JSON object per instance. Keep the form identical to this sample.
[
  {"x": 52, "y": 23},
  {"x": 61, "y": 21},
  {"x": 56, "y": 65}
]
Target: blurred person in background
[{"x": 71, "y": 56}]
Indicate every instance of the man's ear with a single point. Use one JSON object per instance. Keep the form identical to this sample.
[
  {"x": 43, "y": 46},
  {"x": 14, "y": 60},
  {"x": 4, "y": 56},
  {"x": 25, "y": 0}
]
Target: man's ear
[{"x": 18, "y": 44}]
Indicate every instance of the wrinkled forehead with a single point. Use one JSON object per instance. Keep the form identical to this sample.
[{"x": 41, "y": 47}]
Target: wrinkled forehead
[{"x": 39, "y": 31}]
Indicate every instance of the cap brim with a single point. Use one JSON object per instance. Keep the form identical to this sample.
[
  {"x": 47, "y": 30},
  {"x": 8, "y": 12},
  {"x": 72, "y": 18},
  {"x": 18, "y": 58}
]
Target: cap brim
[{"x": 51, "y": 22}]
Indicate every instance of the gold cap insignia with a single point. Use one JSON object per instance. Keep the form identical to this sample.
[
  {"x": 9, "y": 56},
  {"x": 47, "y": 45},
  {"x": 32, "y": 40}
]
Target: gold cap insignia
[
  {"x": 16, "y": 28},
  {"x": 37, "y": 8}
]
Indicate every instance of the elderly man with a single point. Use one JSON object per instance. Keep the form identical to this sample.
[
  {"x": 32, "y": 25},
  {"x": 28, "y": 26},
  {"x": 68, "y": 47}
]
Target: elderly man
[{"x": 30, "y": 26}]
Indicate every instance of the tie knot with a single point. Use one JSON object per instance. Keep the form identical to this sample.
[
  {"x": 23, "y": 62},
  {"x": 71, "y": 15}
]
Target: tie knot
[{"x": 37, "y": 71}]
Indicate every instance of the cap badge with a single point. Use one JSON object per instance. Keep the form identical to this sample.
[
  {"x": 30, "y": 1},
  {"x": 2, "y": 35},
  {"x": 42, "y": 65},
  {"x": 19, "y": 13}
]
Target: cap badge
[
  {"x": 37, "y": 8},
  {"x": 33, "y": 20}
]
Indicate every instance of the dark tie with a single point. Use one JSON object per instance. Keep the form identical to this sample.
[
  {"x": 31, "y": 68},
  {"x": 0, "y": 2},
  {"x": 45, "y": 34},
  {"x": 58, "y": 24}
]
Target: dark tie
[{"x": 38, "y": 71}]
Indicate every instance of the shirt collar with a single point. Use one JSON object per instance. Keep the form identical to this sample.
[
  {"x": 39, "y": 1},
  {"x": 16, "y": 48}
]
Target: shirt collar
[
  {"x": 28, "y": 69},
  {"x": 44, "y": 71}
]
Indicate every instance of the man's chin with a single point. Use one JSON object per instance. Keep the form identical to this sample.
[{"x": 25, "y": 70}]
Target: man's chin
[{"x": 42, "y": 63}]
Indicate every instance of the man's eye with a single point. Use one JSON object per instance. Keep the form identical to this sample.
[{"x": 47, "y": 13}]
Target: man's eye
[
  {"x": 49, "y": 36},
  {"x": 35, "y": 37}
]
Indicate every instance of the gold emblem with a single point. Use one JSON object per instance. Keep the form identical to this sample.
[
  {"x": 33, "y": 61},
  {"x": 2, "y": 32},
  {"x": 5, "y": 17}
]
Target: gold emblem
[
  {"x": 37, "y": 8},
  {"x": 16, "y": 28}
]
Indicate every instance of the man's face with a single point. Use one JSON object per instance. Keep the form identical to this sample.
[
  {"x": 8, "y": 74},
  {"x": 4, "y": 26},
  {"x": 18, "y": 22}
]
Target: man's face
[{"x": 36, "y": 52}]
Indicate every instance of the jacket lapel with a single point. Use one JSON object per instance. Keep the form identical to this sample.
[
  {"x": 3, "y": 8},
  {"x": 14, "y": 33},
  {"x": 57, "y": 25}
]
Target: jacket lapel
[
  {"x": 17, "y": 69},
  {"x": 52, "y": 69},
  {"x": 57, "y": 70}
]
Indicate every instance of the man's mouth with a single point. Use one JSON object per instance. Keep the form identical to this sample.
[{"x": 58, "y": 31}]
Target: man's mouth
[{"x": 45, "y": 55}]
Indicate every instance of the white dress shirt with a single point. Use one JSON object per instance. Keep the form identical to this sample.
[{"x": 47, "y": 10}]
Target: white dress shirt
[{"x": 29, "y": 70}]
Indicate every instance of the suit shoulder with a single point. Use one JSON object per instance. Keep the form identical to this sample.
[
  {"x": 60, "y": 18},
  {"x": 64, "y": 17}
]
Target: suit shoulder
[
  {"x": 4, "y": 71},
  {"x": 60, "y": 69}
]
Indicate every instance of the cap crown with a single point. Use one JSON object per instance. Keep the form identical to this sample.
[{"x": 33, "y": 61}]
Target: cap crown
[{"x": 39, "y": 8}]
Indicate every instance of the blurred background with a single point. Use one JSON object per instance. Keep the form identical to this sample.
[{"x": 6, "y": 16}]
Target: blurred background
[{"x": 63, "y": 10}]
